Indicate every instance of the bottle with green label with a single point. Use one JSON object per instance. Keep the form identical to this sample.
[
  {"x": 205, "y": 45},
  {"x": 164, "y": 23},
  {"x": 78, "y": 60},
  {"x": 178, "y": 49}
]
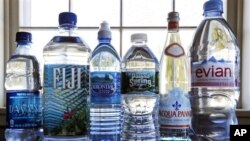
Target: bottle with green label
[
  {"x": 66, "y": 83},
  {"x": 140, "y": 68}
]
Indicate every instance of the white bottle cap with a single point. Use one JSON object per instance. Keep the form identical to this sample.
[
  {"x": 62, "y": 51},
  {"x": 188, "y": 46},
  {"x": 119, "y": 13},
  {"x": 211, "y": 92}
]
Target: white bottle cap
[
  {"x": 139, "y": 37},
  {"x": 104, "y": 30}
]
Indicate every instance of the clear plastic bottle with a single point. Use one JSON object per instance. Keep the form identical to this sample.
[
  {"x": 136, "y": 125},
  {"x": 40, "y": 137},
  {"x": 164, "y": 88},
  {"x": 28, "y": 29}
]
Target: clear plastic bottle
[
  {"x": 215, "y": 60},
  {"x": 66, "y": 84},
  {"x": 22, "y": 83},
  {"x": 140, "y": 68},
  {"x": 105, "y": 108},
  {"x": 175, "y": 108}
]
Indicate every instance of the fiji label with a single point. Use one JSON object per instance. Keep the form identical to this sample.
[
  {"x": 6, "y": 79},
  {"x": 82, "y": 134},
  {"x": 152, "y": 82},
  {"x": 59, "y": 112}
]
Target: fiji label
[
  {"x": 105, "y": 87},
  {"x": 174, "y": 50},
  {"x": 175, "y": 110},
  {"x": 140, "y": 82},
  {"x": 66, "y": 90},
  {"x": 217, "y": 73},
  {"x": 24, "y": 109}
]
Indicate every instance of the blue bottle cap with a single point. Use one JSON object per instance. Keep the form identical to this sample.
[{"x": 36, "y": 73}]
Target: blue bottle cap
[
  {"x": 23, "y": 37},
  {"x": 213, "y": 5},
  {"x": 67, "y": 18}
]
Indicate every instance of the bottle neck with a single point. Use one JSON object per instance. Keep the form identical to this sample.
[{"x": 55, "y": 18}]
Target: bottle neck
[
  {"x": 213, "y": 14},
  {"x": 23, "y": 49},
  {"x": 104, "y": 40},
  {"x": 173, "y": 26},
  {"x": 67, "y": 30},
  {"x": 139, "y": 43}
]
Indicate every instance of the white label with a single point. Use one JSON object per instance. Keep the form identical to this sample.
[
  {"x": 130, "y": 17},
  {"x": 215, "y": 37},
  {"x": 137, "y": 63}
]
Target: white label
[
  {"x": 212, "y": 72},
  {"x": 174, "y": 50},
  {"x": 175, "y": 110}
]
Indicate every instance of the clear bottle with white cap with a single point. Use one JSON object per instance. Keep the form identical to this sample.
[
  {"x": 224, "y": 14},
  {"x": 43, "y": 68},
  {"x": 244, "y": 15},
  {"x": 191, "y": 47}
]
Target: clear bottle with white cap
[{"x": 105, "y": 100}]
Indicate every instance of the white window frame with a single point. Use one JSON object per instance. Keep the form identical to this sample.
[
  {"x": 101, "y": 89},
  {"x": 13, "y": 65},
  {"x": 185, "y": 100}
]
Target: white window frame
[{"x": 11, "y": 26}]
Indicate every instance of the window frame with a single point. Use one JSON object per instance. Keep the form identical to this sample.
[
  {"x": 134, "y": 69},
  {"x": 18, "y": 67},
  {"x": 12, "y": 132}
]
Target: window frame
[{"x": 11, "y": 25}]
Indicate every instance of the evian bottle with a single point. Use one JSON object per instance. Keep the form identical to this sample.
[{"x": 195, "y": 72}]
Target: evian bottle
[
  {"x": 215, "y": 70},
  {"x": 175, "y": 109}
]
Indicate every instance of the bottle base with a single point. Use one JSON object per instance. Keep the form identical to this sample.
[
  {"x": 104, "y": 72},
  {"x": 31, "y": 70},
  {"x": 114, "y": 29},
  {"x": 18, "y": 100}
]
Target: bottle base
[{"x": 65, "y": 138}]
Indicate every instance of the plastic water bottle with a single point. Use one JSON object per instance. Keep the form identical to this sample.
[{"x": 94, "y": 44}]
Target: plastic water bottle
[
  {"x": 175, "y": 108},
  {"x": 22, "y": 83},
  {"x": 66, "y": 84},
  {"x": 105, "y": 108},
  {"x": 215, "y": 60},
  {"x": 140, "y": 70}
]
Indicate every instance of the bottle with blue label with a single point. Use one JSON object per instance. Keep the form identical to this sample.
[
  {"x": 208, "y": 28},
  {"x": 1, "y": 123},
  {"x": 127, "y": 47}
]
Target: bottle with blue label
[
  {"x": 66, "y": 83},
  {"x": 23, "y": 97},
  {"x": 105, "y": 107},
  {"x": 215, "y": 71},
  {"x": 140, "y": 68},
  {"x": 175, "y": 108}
]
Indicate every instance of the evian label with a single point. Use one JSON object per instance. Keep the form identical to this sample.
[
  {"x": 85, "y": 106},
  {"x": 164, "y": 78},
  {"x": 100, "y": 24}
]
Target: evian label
[
  {"x": 215, "y": 73},
  {"x": 174, "y": 50},
  {"x": 175, "y": 110}
]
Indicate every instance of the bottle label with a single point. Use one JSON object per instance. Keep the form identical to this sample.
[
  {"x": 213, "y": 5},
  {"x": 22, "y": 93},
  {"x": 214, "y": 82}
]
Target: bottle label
[
  {"x": 142, "y": 82},
  {"x": 175, "y": 110},
  {"x": 215, "y": 73},
  {"x": 105, "y": 87},
  {"x": 24, "y": 110},
  {"x": 174, "y": 50},
  {"x": 66, "y": 91}
]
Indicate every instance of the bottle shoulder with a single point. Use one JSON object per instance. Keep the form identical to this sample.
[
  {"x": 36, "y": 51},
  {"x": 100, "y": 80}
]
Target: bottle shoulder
[
  {"x": 105, "y": 49},
  {"x": 139, "y": 54}
]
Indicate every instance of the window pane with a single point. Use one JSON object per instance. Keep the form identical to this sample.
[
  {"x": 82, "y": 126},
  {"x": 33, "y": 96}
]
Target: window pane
[
  {"x": 156, "y": 39},
  {"x": 191, "y": 11},
  {"x": 90, "y": 37},
  {"x": 41, "y": 12},
  {"x": 93, "y": 12},
  {"x": 146, "y": 12}
]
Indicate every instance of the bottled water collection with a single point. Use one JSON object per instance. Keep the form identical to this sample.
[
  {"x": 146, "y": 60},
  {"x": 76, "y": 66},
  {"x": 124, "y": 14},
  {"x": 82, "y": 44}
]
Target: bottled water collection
[
  {"x": 98, "y": 96},
  {"x": 66, "y": 84},
  {"x": 215, "y": 60},
  {"x": 175, "y": 109},
  {"x": 22, "y": 83},
  {"x": 105, "y": 106}
]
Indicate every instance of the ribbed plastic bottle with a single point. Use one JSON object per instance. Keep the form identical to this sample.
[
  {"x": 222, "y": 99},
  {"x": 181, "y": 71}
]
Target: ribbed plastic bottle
[
  {"x": 105, "y": 107},
  {"x": 140, "y": 88},
  {"x": 66, "y": 84},
  {"x": 175, "y": 108},
  {"x": 23, "y": 97},
  {"x": 140, "y": 68},
  {"x": 215, "y": 61}
]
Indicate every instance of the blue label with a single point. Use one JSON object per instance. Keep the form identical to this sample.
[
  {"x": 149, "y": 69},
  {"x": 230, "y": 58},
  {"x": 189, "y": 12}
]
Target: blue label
[
  {"x": 66, "y": 91},
  {"x": 24, "y": 109},
  {"x": 105, "y": 87}
]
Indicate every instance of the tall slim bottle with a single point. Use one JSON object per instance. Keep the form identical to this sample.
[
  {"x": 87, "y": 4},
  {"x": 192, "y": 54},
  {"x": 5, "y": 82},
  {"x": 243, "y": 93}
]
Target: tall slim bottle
[
  {"x": 22, "y": 83},
  {"x": 105, "y": 107},
  {"x": 66, "y": 84},
  {"x": 215, "y": 61},
  {"x": 175, "y": 109}
]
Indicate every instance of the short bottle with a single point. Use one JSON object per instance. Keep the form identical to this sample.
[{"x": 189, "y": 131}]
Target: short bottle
[
  {"x": 66, "y": 84},
  {"x": 105, "y": 100},
  {"x": 174, "y": 109},
  {"x": 215, "y": 83},
  {"x": 140, "y": 70},
  {"x": 23, "y": 97}
]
